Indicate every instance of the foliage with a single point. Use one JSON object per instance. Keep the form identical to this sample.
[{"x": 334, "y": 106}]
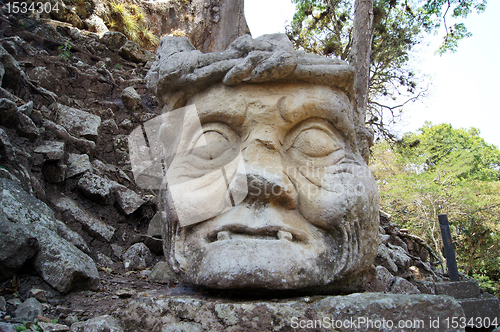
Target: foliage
[
  {"x": 131, "y": 21},
  {"x": 65, "y": 51},
  {"x": 442, "y": 170},
  {"x": 326, "y": 27}
]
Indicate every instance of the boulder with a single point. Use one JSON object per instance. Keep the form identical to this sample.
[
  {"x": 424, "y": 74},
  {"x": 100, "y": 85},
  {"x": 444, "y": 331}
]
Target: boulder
[
  {"x": 8, "y": 113},
  {"x": 12, "y": 70},
  {"x": 403, "y": 286},
  {"x": 26, "y": 127},
  {"x": 78, "y": 164},
  {"x": 2, "y": 72},
  {"x": 109, "y": 127},
  {"x": 162, "y": 273},
  {"x": 131, "y": 99},
  {"x": 104, "y": 323},
  {"x": 78, "y": 122},
  {"x": 6, "y": 327},
  {"x": 133, "y": 52},
  {"x": 137, "y": 257},
  {"x": 381, "y": 281},
  {"x": 97, "y": 188},
  {"x": 27, "y": 108},
  {"x": 51, "y": 150},
  {"x": 29, "y": 309},
  {"x": 5, "y": 146},
  {"x": 114, "y": 40},
  {"x": 127, "y": 200},
  {"x": 154, "y": 228},
  {"x": 95, "y": 24},
  {"x": 51, "y": 327},
  {"x": 17, "y": 244},
  {"x": 91, "y": 224},
  {"x": 60, "y": 263}
]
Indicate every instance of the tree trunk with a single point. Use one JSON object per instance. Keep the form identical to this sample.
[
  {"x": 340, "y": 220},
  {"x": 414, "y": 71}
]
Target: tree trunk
[{"x": 361, "y": 52}]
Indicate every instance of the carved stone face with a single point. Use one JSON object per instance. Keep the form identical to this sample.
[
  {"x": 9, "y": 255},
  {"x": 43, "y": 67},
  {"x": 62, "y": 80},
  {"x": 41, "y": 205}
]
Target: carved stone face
[{"x": 309, "y": 217}]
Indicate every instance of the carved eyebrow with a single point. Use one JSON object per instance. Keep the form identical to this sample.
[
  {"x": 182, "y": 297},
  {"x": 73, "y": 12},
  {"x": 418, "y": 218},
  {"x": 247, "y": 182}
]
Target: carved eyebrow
[{"x": 334, "y": 111}]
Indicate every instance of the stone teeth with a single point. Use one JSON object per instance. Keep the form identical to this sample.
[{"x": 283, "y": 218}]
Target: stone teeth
[
  {"x": 224, "y": 235},
  {"x": 284, "y": 235}
]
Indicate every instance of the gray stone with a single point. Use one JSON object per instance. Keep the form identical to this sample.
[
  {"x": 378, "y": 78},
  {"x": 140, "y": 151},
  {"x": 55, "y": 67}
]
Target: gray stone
[
  {"x": 29, "y": 309},
  {"x": 137, "y": 257},
  {"x": 117, "y": 250},
  {"x": 17, "y": 244},
  {"x": 131, "y": 99},
  {"x": 109, "y": 127},
  {"x": 3, "y": 304},
  {"x": 6, "y": 327},
  {"x": 8, "y": 113},
  {"x": 78, "y": 122},
  {"x": 64, "y": 266},
  {"x": 51, "y": 327},
  {"x": 114, "y": 40},
  {"x": 78, "y": 164},
  {"x": 162, "y": 273},
  {"x": 403, "y": 286},
  {"x": 182, "y": 327},
  {"x": 81, "y": 144},
  {"x": 120, "y": 143},
  {"x": 27, "y": 108},
  {"x": 152, "y": 312},
  {"x": 154, "y": 228},
  {"x": 399, "y": 256},
  {"x": 484, "y": 306},
  {"x": 97, "y": 188},
  {"x": 2, "y": 72},
  {"x": 38, "y": 294},
  {"x": 104, "y": 323},
  {"x": 127, "y": 124},
  {"x": 459, "y": 289},
  {"x": 91, "y": 224},
  {"x": 27, "y": 128},
  {"x": 384, "y": 258},
  {"x": 104, "y": 260},
  {"x": 5, "y": 146},
  {"x": 95, "y": 24},
  {"x": 133, "y": 52},
  {"x": 127, "y": 200},
  {"x": 60, "y": 263},
  {"x": 12, "y": 70},
  {"x": 51, "y": 150},
  {"x": 381, "y": 281}
]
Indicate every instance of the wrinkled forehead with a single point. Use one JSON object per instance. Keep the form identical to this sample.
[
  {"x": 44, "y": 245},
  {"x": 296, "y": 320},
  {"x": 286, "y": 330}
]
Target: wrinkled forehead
[{"x": 290, "y": 103}]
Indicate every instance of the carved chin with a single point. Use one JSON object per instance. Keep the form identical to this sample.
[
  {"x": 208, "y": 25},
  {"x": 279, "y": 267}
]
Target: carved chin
[
  {"x": 257, "y": 263},
  {"x": 273, "y": 255}
]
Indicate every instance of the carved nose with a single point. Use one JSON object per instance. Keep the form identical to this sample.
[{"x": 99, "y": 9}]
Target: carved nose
[{"x": 267, "y": 180}]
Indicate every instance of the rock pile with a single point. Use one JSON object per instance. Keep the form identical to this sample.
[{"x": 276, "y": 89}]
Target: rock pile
[{"x": 78, "y": 239}]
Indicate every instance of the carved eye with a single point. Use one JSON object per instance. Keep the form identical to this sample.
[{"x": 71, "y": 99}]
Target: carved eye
[
  {"x": 315, "y": 142},
  {"x": 210, "y": 145}
]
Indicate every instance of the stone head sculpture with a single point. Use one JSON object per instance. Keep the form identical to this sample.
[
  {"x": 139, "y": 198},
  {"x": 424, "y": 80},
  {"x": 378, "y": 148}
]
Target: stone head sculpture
[{"x": 264, "y": 176}]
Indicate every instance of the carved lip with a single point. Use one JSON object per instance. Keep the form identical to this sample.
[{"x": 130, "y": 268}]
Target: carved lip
[{"x": 239, "y": 232}]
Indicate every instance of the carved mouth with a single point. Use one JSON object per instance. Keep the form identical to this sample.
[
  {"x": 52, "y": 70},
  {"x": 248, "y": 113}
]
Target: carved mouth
[{"x": 242, "y": 233}]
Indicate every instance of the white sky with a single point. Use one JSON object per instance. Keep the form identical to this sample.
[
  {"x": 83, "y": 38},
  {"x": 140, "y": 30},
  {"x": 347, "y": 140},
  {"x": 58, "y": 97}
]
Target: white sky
[{"x": 464, "y": 86}]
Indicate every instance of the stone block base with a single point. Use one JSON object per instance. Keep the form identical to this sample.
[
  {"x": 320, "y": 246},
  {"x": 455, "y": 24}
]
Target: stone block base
[{"x": 355, "y": 312}]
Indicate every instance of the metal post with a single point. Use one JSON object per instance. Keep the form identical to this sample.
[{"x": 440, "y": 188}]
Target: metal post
[{"x": 448, "y": 247}]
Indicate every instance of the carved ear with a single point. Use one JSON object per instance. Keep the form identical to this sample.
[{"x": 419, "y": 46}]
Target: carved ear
[{"x": 364, "y": 141}]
